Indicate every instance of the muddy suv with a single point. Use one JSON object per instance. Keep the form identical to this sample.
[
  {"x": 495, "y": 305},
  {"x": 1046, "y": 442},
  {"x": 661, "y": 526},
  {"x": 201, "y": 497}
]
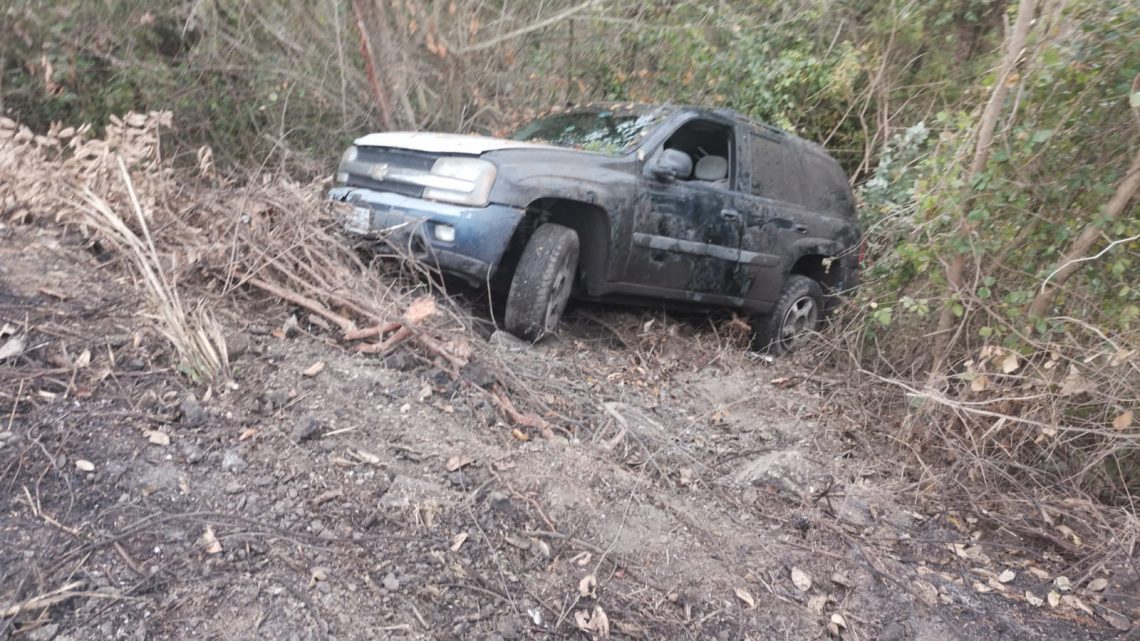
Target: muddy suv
[{"x": 653, "y": 205}]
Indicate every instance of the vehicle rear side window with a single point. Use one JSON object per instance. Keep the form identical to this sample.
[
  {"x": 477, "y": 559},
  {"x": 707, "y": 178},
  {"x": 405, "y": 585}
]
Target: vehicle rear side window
[
  {"x": 775, "y": 170},
  {"x": 825, "y": 186}
]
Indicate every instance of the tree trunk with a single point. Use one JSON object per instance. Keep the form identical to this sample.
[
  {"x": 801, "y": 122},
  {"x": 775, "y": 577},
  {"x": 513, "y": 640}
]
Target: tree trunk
[
  {"x": 956, "y": 270},
  {"x": 385, "y": 114},
  {"x": 1078, "y": 251}
]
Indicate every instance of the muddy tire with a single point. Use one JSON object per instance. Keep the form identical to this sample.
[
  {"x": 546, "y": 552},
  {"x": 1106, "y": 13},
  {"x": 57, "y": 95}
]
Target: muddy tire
[
  {"x": 542, "y": 282},
  {"x": 797, "y": 314}
]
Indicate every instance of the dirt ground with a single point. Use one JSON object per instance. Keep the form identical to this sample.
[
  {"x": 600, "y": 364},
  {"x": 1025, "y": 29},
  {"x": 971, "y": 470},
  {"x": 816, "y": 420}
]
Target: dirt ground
[{"x": 717, "y": 495}]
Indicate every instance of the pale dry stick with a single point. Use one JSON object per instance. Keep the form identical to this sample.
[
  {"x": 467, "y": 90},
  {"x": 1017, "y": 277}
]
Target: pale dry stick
[{"x": 46, "y": 600}]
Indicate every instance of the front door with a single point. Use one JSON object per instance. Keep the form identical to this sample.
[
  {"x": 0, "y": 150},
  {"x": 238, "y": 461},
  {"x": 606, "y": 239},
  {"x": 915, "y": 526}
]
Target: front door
[{"x": 686, "y": 233}]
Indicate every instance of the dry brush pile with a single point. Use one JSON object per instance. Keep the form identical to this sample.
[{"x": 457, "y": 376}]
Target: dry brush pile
[{"x": 191, "y": 247}]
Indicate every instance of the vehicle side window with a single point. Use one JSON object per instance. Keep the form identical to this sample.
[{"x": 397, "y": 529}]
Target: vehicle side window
[
  {"x": 827, "y": 189},
  {"x": 775, "y": 170},
  {"x": 710, "y": 145}
]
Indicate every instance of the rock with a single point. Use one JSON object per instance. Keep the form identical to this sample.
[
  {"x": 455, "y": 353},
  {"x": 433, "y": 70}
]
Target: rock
[
  {"x": 399, "y": 361},
  {"x": 507, "y": 341},
  {"x": 478, "y": 374},
  {"x": 892, "y": 632},
  {"x": 44, "y": 633},
  {"x": 233, "y": 463},
  {"x": 499, "y": 502},
  {"x": 308, "y": 428},
  {"x": 785, "y": 469},
  {"x": 390, "y": 582},
  {"x": 193, "y": 414},
  {"x": 854, "y": 511},
  {"x": 237, "y": 344},
  {"x": 458, "y": 479},
  {"x": 193, "y": 453},
  {"x": 234, "y": 487}
]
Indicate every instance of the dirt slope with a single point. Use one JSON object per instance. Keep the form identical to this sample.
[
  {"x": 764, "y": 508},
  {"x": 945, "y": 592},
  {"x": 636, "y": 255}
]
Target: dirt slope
[{"x": 716, "y": 497}]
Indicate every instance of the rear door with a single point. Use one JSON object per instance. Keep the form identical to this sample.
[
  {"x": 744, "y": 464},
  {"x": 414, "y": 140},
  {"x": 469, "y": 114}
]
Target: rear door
[{"x": 772, "y": 211}]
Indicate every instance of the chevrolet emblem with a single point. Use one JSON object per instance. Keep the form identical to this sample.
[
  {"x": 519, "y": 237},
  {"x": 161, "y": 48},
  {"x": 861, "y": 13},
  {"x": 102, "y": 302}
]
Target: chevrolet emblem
[{"x": 378, "y": 172}]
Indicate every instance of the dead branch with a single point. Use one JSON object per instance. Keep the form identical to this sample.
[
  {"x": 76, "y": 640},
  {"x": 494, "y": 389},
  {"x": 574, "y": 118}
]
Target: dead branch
[
  {"x": 1078, "y": 252},
  {"x": 526, "y": 420},
  {"x": 343, "y": 323}
]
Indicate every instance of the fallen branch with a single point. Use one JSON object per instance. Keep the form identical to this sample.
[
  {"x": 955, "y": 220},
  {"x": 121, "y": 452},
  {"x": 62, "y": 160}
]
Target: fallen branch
[
  {"x": 343, "y": 323},
  {"x": 529, "y": 419},
  {"x": 372, "y": 332}
]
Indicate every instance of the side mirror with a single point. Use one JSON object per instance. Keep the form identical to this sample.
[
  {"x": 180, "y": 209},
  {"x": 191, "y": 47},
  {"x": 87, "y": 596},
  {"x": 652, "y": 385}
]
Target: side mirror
[{"x": 671, "y": 164}]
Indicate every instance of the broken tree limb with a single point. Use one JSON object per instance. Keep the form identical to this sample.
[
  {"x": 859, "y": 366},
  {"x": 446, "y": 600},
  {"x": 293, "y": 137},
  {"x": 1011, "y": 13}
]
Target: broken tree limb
[
  {"x": 343, "y": 323},
  {"x": 526, "y": 420},
  {"x": 372, "y": 332},
  {"x": 402, "y": 334},
  {"x": 1078, "y": 252},
  {"x": 438, "y": 349}
]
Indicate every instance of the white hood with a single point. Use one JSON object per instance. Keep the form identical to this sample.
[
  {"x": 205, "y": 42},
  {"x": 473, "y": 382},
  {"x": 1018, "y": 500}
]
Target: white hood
[{"x": 444, "y": 143}]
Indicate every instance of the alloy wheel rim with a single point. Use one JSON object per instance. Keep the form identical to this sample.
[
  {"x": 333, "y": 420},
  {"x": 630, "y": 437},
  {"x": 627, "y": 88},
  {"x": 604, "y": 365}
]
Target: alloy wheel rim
[
  {"x": 800, "y": 319},
  {"x": 560, "y": 294}
]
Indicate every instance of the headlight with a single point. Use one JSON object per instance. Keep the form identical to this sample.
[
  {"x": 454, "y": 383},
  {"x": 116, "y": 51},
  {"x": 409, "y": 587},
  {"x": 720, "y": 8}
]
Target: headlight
[
  {"x": 463, "y": 181},
  {"x": 342, "y": 170}
]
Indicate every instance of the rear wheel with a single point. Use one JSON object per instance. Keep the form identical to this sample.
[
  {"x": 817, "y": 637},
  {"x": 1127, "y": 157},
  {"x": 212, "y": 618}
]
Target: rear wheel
[
  {"x": 542, "y": 282},
  {"x": 795, "y": 317}
]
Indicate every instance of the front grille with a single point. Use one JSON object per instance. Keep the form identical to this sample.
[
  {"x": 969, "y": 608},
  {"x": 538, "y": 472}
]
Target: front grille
[
  {"x": 394, "y": 158},
  {"x": 404, "y": 189}
]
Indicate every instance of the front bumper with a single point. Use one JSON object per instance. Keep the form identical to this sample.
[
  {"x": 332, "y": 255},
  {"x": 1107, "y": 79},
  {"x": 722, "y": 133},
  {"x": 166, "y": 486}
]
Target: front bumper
[{"x": 481, "y": 234}]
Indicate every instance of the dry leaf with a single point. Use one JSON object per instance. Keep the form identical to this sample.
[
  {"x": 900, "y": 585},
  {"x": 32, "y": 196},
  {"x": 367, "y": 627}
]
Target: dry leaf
[
  {"x": 11, "y": 349},
  {"x": 1038, "y": 572},
  {"x": 519, "y": 435},
  {"x": 457, "y": 462},
  {"x": 746, "y": 597},
  {"x": 1007, "y": 576},
  {"x": 247, "y": 434},
  {"x": 457, "y": 541},
  {"x": 314, "y": 369},
  {"x": 927, "y": 592},
  {"x": 597, "y": 623},
  {"x": 1053, "y": 598},
  {"x": 587, "y": 586},
  {"x": 85, "y": 465},
  {"x": 979, "y": 383},
  {"x": 158, "y": 438},
  {"x": 1076, "y": 604},
  {"x": 1010, "y": 364},
  {"x": 1117, "y": 620},
  {"x": 1122, "y": 422},
  {"x": 210, "y": 541},
  {"x": 1062, "y": 583},
  {"x": 801, "y": 579},
  {"x": 982, "y": 588},
  {"x": 84, "y": 359},
  {"x": 1098, "y": 584},
  {"x": 1033, "y": 599},
  {"x": 817, "y": 603}
]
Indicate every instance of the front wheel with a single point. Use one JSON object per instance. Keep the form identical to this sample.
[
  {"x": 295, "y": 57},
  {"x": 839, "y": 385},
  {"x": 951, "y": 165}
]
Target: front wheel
[
  {"x": 542, "y": 282},
  {"x": 795, "y": 317}
]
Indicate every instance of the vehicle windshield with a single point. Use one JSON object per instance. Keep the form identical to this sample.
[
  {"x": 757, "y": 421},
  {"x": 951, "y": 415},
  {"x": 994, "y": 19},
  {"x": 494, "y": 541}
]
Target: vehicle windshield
[{"x": 605, "y": 132}]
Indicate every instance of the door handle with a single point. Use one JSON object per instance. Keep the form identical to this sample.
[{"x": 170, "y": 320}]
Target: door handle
[{"x": 730, "y": 214}]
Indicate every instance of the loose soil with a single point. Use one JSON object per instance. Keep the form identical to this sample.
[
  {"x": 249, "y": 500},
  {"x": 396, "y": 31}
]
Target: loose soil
[{"x": 716, "y": 496}]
